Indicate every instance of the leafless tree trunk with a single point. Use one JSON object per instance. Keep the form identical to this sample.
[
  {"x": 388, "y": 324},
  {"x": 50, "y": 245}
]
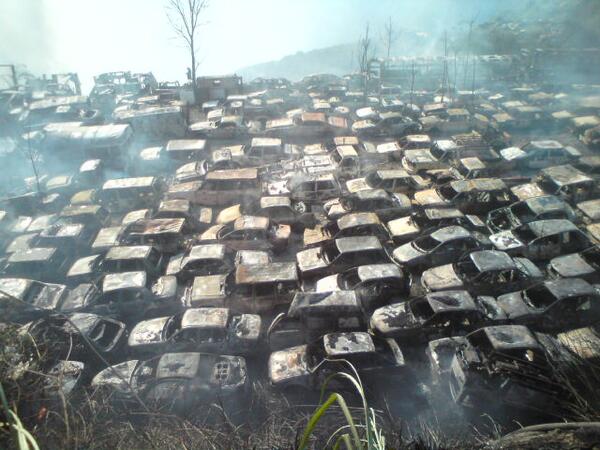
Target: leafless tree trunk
[
  {"x": 365, "y": 54},
  {"x": 390, "y": 37},
  {"x": 184, "y": 17}
]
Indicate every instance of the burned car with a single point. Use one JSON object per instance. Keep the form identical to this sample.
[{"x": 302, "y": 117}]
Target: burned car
[
  {"x": 435, "y": 315},
  {"x": 584, "y": 264},
  {"x": 197, "y": 218},
  {"x": 308, "y": 366},
  {"x": 542, "y": 239},
  {"x": 227, "y": 127},
  {"x": 341, "y": 254},
  {"x": 529, "y": 210},
  {"x": 484, "y": 272},
  {"x": 131, "y": 258},
  {"x": 249, "y": 233},
  {"x": 564, "y": 181},
  {"x": 124, "y": 194},
  {"x": 306, "y": 188},
  {"x": 553, "y": 306},
  {"x": 425, "y": 220},
  {"x": 134, "y": 295},
  {"x": 353, "y": 224},
  {"x": 201, "y": 260},
  {"x": 26, "y": 299},
  {"x": 166, "y": 235},
  {"x": 538, "y": 155},
  {"x": 250, "y": 288},
  {"x": 439, "y": 247},
  {"x": 387, "y": 206},
  {"x": 373, "y": 283},
  {"x": 179, "y": 382},
  {"x": 44, "y": 264},
  {"x": 391, "y": 180},
  {"x": 219, "y": 188},
  {"x": 282, "y": 210},
  {"x": 506, "y": 364},
  {"x": 476, "y": 196},
  {"x": 70, "y": 336},
  {"x": 211, "y": 330},
  {"x": 391, "y": 124},
  {"x": 311, "y": 315}
]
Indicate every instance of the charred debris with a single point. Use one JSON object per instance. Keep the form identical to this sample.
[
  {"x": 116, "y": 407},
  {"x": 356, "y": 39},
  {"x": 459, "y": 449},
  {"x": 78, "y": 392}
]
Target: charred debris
[{"x": 444, "y": 242}]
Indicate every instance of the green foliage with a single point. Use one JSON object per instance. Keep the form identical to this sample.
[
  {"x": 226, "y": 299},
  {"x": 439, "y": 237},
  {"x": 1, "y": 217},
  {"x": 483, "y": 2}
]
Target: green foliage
[
  {"x": 23, "y": 438},
  {"x": 372, "y": 435}
]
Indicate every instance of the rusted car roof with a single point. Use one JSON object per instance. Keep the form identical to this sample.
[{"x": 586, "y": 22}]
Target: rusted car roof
[
  {"x": 321, "y": 303},
  {"x": 591, "y": 208},
  {"x": 274, "y": 201},
  {"x": 129, "y": 252},
  {"x": 379, "y": 271},
  {"x": 96, "y": 136},
  {"x": 32, "y": 255},
  {"x": 357, "y": 219},
  {"x": 565, "y": 175},
  {"x": 511, "y": 337},
  {"x": 472, "y": 163},
  {"x": 345, "y": 140},
  {"x": 235, "y": 174},
  {"x": 251, "y": 223},
  {"x": 342, "y": 344},
  {"x": 126, "y": 183},
  {"x": 449, "y": 233},
  {"x": 17, "y": 287},
  {"x": 486, "y": 260},
  {"x": 451, "y": 300},
  {"x": 549, "y": 227},
  {"x": 346, "y": 151},
  {"x": 157, "y": 226},
  {"x": 186, "y": 145},
  {"x": 359, "y": 243},
  {"x": 124, "y": 280},
  {"x": 205, "y": 318},
  {"x": 545, "y": 204},
  {"x": 479, "y": 184},
  {"x": 392, "y": 174},
  {"x": 207, "y": 251},
  {"x": 80, "y": 210},
  {"x": 107, "y": 237},
  {"x": 313, "y": 117},
  {"x": 266, "y": 273},
  {"x": 337, "y": 122},
  {"x": 442, "y": 213},
  {"x": 265, "y": 142},
  {"x": 175, "y": 205}
]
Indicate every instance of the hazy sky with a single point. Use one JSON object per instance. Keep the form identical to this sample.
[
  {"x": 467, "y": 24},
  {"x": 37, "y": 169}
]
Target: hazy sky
[{"x": 93, "y": 36}]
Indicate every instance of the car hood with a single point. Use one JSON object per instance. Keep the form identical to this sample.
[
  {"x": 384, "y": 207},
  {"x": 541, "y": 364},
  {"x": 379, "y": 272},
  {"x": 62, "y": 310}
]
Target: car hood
[
  {"x": 573, "y": 265},
  {"x": 430, "y": 197},
  {"x": 289, "y": 364},
  {"x": 310, "y": 259},
  {"x": 506, "y": 240},
  {"x": 117, "y": 377},
  {"x": 513, "y": 305},
  {"x": 391, "y": 319},
  {"x": 148, "y": 332},
  {"x": 441, "y": 278},
  {"x": 407, "y": 253}
]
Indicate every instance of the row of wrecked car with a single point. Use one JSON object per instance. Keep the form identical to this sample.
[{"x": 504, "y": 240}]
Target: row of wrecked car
[{"x": 391, "y": 235}]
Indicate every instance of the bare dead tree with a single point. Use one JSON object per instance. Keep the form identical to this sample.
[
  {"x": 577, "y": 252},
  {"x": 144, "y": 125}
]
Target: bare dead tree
[
  {"x": 390, "y": 36},
  {"x": 365, "y": 54},
  {"x": 184, "y": 16}
]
